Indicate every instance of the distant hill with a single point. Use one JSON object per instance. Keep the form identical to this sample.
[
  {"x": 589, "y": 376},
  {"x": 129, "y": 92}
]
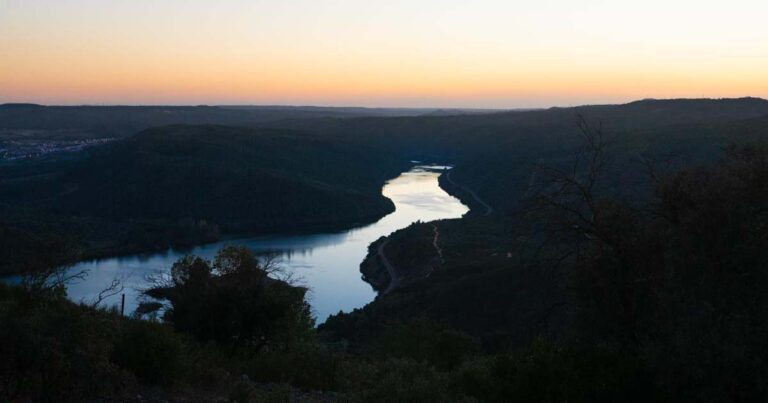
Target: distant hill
[
  {"x": 241, "y": 179},
  {"x": 120, "y": 121},
  {"x": 19, "y": 106},
  {"x": 353, "y": 111}
]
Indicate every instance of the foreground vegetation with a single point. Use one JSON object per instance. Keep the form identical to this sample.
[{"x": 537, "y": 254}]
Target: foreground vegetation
[{"x": 55, "y": 350}]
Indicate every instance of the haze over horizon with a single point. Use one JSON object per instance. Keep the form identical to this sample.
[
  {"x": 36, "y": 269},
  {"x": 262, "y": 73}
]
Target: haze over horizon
[{"x": 427, "y": 53}]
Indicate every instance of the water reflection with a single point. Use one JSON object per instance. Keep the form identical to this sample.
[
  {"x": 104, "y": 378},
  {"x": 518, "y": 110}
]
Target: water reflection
[{"x": 327, "y": 263}]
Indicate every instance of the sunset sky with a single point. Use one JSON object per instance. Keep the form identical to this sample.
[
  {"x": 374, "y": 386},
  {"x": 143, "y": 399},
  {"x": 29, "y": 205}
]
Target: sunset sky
[{"x": 443, "y": 53}]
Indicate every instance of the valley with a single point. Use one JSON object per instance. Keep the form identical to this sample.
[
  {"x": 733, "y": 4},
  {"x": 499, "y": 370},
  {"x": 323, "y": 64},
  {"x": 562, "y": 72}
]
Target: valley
[{"x": 573, "y": 234}]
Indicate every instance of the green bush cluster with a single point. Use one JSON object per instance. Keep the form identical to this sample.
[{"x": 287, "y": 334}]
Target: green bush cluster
[{"x": 54, "y": 350}]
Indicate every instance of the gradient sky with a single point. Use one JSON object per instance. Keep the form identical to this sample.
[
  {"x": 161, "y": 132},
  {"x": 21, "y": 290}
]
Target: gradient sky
[{"x": 487, "y": 53}]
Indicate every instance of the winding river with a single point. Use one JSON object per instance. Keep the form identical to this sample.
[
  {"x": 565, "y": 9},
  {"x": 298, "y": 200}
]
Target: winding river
[{"x": 327, "y": 263}]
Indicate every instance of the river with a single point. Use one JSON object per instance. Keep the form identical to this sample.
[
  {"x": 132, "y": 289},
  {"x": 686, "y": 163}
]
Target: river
[{"x": 327, "y": 263}]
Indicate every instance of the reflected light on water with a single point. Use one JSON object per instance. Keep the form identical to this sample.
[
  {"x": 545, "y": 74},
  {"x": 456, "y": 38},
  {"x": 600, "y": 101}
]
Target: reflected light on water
[{"x": 327, "y": 263}]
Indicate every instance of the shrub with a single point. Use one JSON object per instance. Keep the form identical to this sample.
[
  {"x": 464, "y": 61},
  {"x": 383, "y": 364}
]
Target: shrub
[
  {"x": 547, "y": 372},
  {"x": 51, "y": 348},
  {"x": 308, "y": 366},
  {"x": 151, "y": 351},
  {"x": 426, "y": 341},
  {"x": 402, "y": 381}
]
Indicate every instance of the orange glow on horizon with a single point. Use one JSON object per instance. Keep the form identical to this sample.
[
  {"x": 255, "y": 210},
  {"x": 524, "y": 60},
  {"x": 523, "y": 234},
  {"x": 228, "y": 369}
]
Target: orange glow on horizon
[{"x": 88, "y": 52}]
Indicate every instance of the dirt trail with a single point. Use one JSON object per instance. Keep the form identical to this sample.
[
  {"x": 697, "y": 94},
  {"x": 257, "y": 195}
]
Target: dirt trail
[
  {"x": 434, "y": 243},
  {"x": 394, "y": 281}
]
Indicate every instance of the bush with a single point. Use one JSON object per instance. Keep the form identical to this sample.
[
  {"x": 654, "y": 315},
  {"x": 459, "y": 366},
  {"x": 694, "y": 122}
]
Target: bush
[
  {"x": 546, "y": 372},
  {"x": 309, "y": 366},
  {"x": 426, "y": 341},
  {"x": 234, "y": 302},
  {"x": 151, "y": 351},
  {"x": 402, "y": 381},
  {"x": 51, "y": 348}
]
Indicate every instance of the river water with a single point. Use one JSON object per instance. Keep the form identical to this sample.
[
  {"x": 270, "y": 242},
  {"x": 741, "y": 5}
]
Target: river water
[{"x": 327, "y": 263}]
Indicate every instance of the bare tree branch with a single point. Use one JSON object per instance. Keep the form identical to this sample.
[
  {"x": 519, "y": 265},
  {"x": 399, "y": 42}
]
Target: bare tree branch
[
  {"x": 573, "y": 190},
  {"x": 114, "y": 288}
]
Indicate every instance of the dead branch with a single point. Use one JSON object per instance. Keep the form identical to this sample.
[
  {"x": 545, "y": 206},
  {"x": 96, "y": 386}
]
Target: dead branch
[{"x": 114, "y": 288}]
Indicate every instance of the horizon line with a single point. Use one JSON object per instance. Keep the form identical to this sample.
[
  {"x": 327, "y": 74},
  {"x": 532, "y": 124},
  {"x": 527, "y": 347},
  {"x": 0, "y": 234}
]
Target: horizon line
[{"x": 470, "y": 108}]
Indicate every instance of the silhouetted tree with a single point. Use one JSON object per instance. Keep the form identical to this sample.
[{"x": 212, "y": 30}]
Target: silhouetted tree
[{"x": 235, "y": 302}]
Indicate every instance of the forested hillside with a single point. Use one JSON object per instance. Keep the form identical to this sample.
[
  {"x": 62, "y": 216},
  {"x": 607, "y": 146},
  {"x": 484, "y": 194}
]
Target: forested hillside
[
  {"x": 494, "y": 153},
  {"x": 187, "y": 184},
  {"x": 485, "y": 257},
  {"x": 183, "y": 185}
]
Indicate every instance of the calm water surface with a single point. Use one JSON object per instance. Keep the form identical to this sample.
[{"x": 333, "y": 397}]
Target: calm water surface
[{"x": 327, "y": 263}]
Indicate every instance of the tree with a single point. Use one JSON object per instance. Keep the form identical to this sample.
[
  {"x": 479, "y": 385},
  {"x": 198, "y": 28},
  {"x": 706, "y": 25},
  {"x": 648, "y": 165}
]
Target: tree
[
  {"x": 234, "y": 301},
  {"x": 680, "y": 286},
  {"x": 596, "y": 236}
]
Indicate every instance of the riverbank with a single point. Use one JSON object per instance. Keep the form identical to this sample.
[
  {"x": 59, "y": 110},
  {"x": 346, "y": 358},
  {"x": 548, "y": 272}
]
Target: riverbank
[
  {"x": 328, "y": 262},
  {"x": 181, "y": 186},
  {"x": 412, "y": 254},
  {"x": 191, "y": 236},
  {"x": 401, "y": 258}
]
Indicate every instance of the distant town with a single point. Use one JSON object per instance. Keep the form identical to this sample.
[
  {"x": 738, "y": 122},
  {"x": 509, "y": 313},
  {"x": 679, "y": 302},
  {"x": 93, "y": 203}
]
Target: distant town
[{"x": 30, "y": 149}]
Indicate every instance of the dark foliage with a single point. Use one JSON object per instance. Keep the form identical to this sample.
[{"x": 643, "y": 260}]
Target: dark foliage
[
  {"x": 426, "y": 341},
  {"x": 234, "y": 302},
  {"x": 53, "y": 350},
  {"x": 684, "y": 286},
  {"x": 154, "y": 354}
]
